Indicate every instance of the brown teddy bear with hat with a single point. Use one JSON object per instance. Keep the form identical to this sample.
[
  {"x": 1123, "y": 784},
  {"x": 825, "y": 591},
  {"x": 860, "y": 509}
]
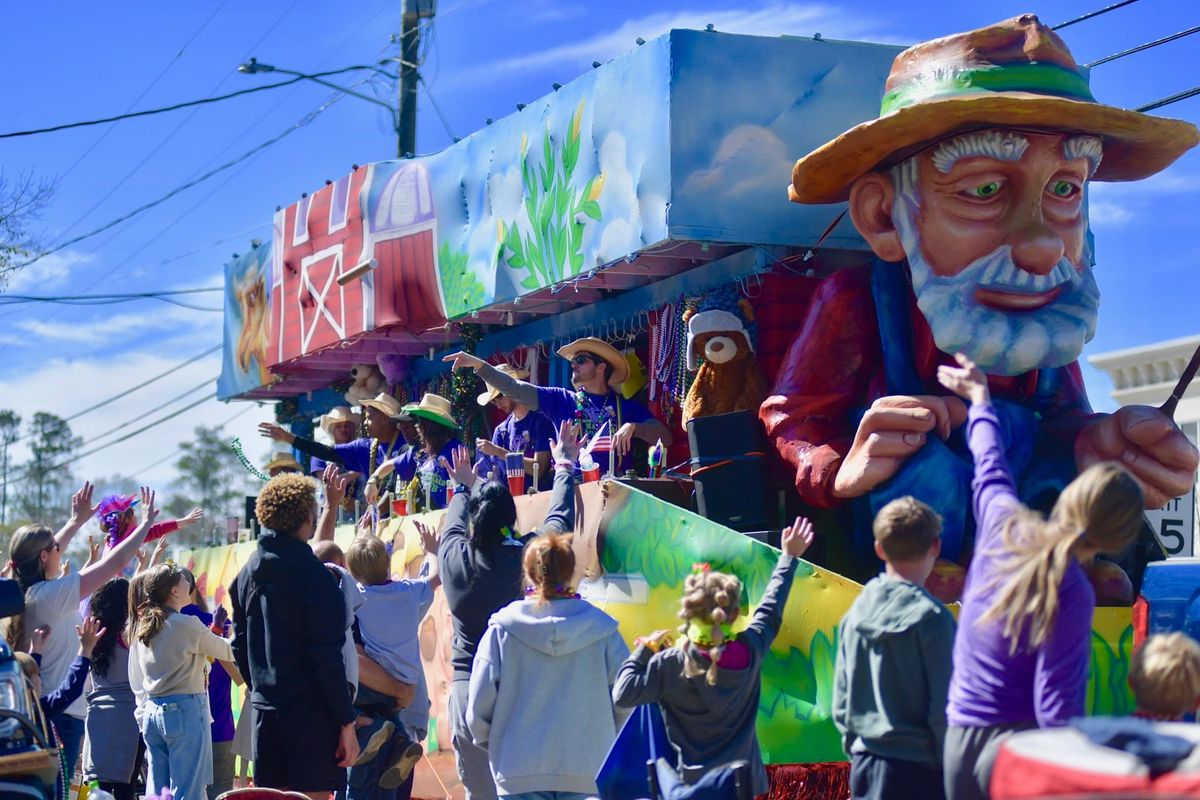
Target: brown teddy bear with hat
[{"x": 728, "y": 377}]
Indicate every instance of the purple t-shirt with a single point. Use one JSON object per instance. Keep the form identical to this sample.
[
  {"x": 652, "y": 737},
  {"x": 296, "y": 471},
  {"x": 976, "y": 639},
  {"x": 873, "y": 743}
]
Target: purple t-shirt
[
  {"x": 220, "y": 685},
  {"x": 562, "y": 405},
  {"x": 356, "y": 455},
  {"x": 433, "y": 476},
  {"x": 990, "y": 685},
  {"x": 529, "y": 436}
]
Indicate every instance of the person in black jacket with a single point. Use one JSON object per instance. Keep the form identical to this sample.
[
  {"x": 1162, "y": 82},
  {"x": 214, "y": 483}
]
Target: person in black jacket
[
  {"x": 481, "y": 573},
  {"x": 288, "y": 630}
]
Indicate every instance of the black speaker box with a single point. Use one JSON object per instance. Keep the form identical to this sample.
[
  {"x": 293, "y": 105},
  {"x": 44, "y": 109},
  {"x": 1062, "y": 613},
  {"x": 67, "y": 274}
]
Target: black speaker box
[{"x": 729, "y": 469}]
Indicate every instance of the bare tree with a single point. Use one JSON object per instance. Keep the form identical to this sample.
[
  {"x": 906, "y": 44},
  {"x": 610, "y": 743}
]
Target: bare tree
[
  {"x": 10, "y": 431},
  {"x": 22, "y": 199}
]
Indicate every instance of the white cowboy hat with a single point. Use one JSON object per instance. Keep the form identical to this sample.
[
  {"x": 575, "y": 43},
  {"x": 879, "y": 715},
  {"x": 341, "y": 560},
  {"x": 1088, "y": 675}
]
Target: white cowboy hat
[
  {"x": 282, "y": 460},
  {"x": 386, "y": 403},
  {"x": 433, "y": 407},
  {"x": 492, "y": 393},
  {"x": 337, "y": 416}
]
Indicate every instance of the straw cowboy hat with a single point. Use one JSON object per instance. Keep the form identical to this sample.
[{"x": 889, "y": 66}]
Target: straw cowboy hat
[
  {"x": 619, "y": 369},
  {"x": 1017, "y": 74},
  {"x": 492, "y": 393},
  {"x": 386, "y": 403},
  {"x": 337, "y": 416},
  {"x": 432, "y": 407},
  {"x": 282, "y": 460}
]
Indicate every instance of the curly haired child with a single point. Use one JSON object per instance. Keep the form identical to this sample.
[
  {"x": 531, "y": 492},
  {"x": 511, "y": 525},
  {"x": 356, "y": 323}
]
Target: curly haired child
[{"x": 708, "y": 684}]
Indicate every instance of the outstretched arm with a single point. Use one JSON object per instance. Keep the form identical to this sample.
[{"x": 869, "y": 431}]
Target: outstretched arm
[
  {"x": 81, "y": 511},
  {"x": 561, "y": 514},
  {"x": 335, "y": 484},
  {"x": 307, "y": 446},
  {"x": 516, "y": 390}
]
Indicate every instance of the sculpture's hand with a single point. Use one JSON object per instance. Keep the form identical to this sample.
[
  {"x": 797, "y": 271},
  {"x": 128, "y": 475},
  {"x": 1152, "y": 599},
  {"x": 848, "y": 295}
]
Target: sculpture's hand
[
  {"x": 894, "y": 428},
  {"x": 1149, "y": 444}
]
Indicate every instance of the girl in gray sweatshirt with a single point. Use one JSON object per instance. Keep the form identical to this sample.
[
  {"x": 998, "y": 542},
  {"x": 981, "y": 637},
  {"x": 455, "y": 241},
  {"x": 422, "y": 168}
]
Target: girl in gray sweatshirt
[
  {"x": 708, "y": 685},
  {"x": 540, "y": 698}
]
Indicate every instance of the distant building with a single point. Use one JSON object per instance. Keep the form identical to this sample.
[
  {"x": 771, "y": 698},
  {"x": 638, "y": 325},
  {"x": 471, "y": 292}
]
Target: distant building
[{"x": 1145, "y": 376}]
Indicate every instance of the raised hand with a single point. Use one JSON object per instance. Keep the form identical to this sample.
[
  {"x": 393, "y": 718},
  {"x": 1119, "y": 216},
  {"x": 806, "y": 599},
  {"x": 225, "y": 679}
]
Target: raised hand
[
  {"x": 461, "y": 470},
  {"x": 81, "y": 504},
  {"x": 272, "y": 431},
  {"x": 94, "y": 547},
  {"x": 89, "y": 634},
  {"x": 160, "y": 552},
  {"x": 429, "y": 537},
  {"x": 894, "y": 428},
  {"x": 220, "y": 618},
  {"x": 464, "y": 360},
  {"x": 797, "y": 537},
  {"x": 566, "y": 447},
  {"x": 149, "y": 512},
  {"x": 143, "y": 559},
  {"x": 37, "y": 639},
  {"x": 966, "y": 380},
  {"x": 336, "y": 484}
]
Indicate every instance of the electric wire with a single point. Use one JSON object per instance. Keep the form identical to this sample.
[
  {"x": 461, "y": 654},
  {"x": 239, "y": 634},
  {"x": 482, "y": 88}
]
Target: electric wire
[
  {"x": 1093, "y": 14},
  {"x": 102, "y": 299},
  {"x": 142, "y": 415},
  {"x": 433, "y": 101},
  {"x": 187, "y": 104},
  {"x": 1166, "y": 101},
  {"x": 1145, "y": 46},
  {"x": 245, "y": 409}
]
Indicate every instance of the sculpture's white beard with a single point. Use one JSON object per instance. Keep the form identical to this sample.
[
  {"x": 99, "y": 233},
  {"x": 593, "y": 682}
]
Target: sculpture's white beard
[{"x": 1000, "y": 342}]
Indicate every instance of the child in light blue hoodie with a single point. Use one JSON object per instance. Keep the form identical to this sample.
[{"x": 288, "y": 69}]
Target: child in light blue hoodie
[{"x": 540, "y": 697}]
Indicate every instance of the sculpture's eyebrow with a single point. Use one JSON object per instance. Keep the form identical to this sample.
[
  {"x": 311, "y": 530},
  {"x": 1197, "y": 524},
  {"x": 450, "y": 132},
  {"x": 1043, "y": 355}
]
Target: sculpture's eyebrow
[
  {"x": 1000, "y": 145},
  {"x": 1089, "y": 147}
]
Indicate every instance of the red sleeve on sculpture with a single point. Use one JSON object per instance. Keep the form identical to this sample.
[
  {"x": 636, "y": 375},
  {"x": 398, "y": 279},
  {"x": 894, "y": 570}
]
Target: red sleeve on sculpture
[
  {"x": 161, "y": 529},
  {"x": 823, "y": 381}
]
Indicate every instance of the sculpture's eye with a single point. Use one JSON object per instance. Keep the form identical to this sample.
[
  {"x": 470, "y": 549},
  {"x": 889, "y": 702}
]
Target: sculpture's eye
[
  {"x": 984, "y": 190},
  {"x": 1064, "y": 189}
]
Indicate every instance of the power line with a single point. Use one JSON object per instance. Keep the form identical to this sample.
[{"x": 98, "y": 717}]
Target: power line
[
  {"x": 437, "y": 108},
  {"x": 246, "y": 408},
  {"x": 1145, "y": 46},
  {"x": 1093, "y": 14},
  {"x": 142, "y": 415},
  {"x": 102, "y": 299},
  {"x": 177, "y": 190},
  {"x": 188, "y": 104},
  {"x": 125, "y": 438},
  {"x": 1166, "y": 101}
]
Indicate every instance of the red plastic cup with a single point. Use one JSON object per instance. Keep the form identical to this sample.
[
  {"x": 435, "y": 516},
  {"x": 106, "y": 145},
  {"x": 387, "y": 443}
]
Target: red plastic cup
[
  {"x": 449, "y": 493},
  {"x": 516, "y": 484},
  {"x": 590, "y": 475},
  {"x": 400, "y": 507}
]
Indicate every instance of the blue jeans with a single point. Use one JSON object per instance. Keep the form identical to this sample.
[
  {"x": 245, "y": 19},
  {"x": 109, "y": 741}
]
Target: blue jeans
[
  {"x": 178, "y": 746},
  {"x": 70, "y": 735},
  {"x": 363, "y": 780}
]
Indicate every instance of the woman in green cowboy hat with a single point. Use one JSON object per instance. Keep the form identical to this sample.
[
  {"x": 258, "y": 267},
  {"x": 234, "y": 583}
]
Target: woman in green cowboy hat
[{"x": 437, "y": 431}]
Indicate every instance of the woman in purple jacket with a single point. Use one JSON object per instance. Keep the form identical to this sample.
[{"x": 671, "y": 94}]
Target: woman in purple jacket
[{"x": 1024, "y": 632}]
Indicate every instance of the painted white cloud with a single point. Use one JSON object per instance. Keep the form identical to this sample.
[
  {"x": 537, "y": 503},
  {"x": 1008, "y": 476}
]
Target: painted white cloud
[
  {"x": 622, "y": 220},
  {"x": 47, "y": 273},
  {"x": 64, "y": 386},
  {"x": 772, "y": 19},
  {"x": 748, "y": 159}
]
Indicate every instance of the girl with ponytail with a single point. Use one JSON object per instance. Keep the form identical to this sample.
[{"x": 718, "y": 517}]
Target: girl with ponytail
[
  {"x": 479, "y": 557},
  {"x": 708, "y": 684},
  {"x": 1024, "y": 633},
  {"x": 172, "y": 651},
  {"x": 547, "y": 663},
  {"x": 52, "y": 599}
]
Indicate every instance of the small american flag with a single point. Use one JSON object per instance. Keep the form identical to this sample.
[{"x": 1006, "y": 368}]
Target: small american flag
[
  {"x": 601, "y": 442},
  {"x": 514, "y": 465}
]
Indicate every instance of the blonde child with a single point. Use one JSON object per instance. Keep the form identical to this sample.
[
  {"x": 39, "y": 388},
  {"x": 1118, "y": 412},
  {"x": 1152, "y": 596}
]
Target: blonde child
[
  {"x": 1024, "y": 633},
  {"x": 547, "y": 664},
  {"x": 1165, "y": 677},
  {"x": 708, "y": 685}
]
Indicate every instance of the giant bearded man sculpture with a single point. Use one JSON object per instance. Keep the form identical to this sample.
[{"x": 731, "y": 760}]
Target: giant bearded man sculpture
[{"x": 969, "y": 188}]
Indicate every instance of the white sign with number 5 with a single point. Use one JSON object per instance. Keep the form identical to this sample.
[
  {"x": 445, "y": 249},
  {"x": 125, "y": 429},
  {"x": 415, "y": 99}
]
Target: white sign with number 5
[{"x": 1174, "y": 524}]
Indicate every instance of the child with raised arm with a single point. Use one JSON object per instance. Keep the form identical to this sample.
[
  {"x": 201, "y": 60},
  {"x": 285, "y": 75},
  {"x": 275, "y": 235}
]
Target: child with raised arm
[
  {"x": 1024, "y": 632},
  {"x": 708, "y": 684}
]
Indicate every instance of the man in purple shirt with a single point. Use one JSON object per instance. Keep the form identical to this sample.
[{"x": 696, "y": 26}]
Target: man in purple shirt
[
  {"x": 596, "y": 369},
  {"x": 383, "y": 441},
  {"x": 522, "y": 431}
]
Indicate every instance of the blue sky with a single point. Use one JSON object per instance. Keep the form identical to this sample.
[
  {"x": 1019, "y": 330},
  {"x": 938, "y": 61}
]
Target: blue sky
[{"x": 74, "y": 61}]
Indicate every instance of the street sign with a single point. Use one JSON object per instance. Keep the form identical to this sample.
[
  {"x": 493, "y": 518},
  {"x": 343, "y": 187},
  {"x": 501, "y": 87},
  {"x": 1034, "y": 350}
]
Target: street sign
[{"x": 1174, "y": 524}]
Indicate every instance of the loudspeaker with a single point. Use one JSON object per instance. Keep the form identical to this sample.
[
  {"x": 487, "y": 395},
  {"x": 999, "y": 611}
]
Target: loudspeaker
[{"x": 729, "y": 469}]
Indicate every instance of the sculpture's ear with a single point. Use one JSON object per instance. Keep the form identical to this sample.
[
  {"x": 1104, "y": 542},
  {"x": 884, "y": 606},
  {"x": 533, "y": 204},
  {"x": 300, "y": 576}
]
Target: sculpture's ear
[{"x": 871, "y": 200}]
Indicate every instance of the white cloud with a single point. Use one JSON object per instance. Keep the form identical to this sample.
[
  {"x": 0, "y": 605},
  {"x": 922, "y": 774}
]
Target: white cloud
[
  {"x": 115, "y": 328},
  {"x": 46, "y": 273},
  {"x": 66, "y": 386},
  {"x": 774, "y": 19},
  {"x": 1106, "y": 214}
]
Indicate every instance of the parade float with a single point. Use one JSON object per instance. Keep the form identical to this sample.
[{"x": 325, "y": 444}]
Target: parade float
[{"x": 648, "y": 191}]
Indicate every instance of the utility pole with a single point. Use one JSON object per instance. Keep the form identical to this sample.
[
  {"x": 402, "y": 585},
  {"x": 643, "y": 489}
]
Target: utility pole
[{"x": 412, "y": 12}]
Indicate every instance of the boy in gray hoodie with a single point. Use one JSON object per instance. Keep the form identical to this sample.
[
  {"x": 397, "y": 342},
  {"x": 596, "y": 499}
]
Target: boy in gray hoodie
[{"x": 894, "y": 663}]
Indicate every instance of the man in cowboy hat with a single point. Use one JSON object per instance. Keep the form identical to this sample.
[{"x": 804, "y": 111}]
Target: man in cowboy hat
[
  {"x": 341, "y": 426},
  {"x": 383, "y": 439},
  {"x": 436, "y": 431},
  {"x": 597, "y": 368},
  {"x": 282, "y": 462},
  {"x": 523, "y": 431},
  {"x": 969, "y": 188}
]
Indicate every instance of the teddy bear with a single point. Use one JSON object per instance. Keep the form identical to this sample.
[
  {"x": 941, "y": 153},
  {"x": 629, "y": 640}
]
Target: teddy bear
[
  {"x": 368, "y": 382},
  {"x": 728, "y": 376}
]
